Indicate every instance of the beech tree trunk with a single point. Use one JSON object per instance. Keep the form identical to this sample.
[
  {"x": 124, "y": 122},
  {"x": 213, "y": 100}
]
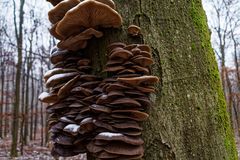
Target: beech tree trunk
[{"x": 189, "y": 118}]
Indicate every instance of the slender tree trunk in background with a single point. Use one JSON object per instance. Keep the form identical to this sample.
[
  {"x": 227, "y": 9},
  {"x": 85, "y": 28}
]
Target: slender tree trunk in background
[
  {"x": 7, "y": 119},
  {"x": 32, "y": 106},
  {"x": 26, "y": 106},
  {"x": 236, "y": 62},
  {"x": 40, "y": 86},
  {"x": 230, "y": 99},
  {"x": 19, "y": 38},
  {"x": 23, "y": 95},
  {"x": 24, "y": 89},
  {"x": 36, "y": 119},
  {"x": 189, "y": 119},
  {"x": 2, "y": 98}
]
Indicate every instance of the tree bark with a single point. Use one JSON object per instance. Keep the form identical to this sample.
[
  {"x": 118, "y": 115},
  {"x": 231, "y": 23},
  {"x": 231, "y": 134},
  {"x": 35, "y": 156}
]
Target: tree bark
[{"x": 189, "y": 118}]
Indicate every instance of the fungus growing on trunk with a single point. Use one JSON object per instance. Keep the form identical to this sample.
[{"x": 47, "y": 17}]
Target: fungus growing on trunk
[
  {"x": 86, "y": 113},
  {"x": 54, "y": 2},
  {"x": 134, "y": 30},
  {"x": 58, "y": 12}
]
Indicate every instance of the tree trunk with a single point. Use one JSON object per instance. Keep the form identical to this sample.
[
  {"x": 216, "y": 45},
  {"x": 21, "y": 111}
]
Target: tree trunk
[
  {"x": 189, "y": 118},
  {"x": 2, "y": 97},
  {"x": 19, "y": 37}
]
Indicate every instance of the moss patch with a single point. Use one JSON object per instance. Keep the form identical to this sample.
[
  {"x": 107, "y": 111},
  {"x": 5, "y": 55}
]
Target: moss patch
[{"x": 200, "y": 24}]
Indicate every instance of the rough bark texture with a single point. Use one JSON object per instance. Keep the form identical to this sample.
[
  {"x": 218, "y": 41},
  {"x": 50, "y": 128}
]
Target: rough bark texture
[{"x": 189, "y": 118}]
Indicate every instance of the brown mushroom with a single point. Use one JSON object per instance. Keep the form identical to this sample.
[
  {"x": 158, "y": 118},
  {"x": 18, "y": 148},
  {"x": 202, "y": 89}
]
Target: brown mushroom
[
  {"x": 126, "y": 101},
  {"x": 123, "y": 149},
  {"x": 72, "y": 129},
  {"x": 65, "y": 90},
  {"x": 94, "y": 148},
  {"x": 121, "y": 53},
  {"x": 108, "y": 136},
  {"x": 58, "y": 12},
  {"x": 54, "y": 2},
  {"x": 88, "y": 14},
  {"x": 86, "y": 125},
  {"x": 60, "y": 78},
  {"x": 137, "y": 81},
  {"x": 64, "y": 140},
  {"x": 143, "y": 61},
  {"x": 134, "y": 30},
  {"x": 130, "y": 114},
  {"x": 53, "y": 32},
  {"x": 55, "y": 71},
  {"x": 116, "y": 45},
  {"x": 48, "y": 97},
  {"x": 110, "y": 3},
  {"x": 79, "y": 41},
  {"x": 99, "y": 108}
]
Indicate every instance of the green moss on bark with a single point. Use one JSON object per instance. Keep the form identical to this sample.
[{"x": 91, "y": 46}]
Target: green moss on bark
[{"x": 222, "y": 117}]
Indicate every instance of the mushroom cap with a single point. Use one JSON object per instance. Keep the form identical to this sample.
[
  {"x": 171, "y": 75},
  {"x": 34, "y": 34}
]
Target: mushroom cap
[
  {"x": 143, "y": 61},
  {"x": 144, "y": 47},
  {"x": 72, "y": 129},
  {"x": 145, "y": 89},
  {"x": 108, "y": 136},
  {"x": 60, "y": 78},
  {"x": 53, "y": 32},
  {"x": 88, "y": 14},
  {"x": 110, "y": 3},
  {"x": 130, "y": 114},
  {"x": 101, "y": 124},
  {"x": 116, "y": 45},
  {"x": 84, "y": 91},
  {"x": 92, "y": 148},
  {"x": 117, "y": 86},
  {"x": 121, "y": 53},
  {"x": 136, "y": 81},
  {"x": 114, "y": 68},
  {"x": 106, "y": 155},
  {"x": 65, "y": 90},
  {"x": 86, "y": 125},
  {"x": 145, "y": 101},
  {"x": 83, "y": 62},
  {"x": 54, "y": 2},
  {"x": 48, "y": 97},
  {"x": 134, "y": 30},
  {"x": 101, "y": 109},
  {"x": 55, "y": 71},
  {"x": 127, "y": 125},
  {"x": 58, "y": 12},
  {"x": 66, "y": 120},
  {"x": 57, "y": 106},
  {"x": 64, "y": 140},
  {"x": 126, "y": 101},
  {"x": 58, "y": 55},
  {"x": 123, "y": 149},
  {"x": 90, "y": 84},
  {"x": 143, "y": 70},
  {"x": 77, "y": 42}
]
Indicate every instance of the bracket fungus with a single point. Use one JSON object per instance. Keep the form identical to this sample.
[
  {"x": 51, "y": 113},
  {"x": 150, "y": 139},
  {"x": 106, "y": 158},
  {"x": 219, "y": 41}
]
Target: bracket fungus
[
  {"x": 87, "y": 113},
  {"x": 54, "y": 2},
  {"x": 134, "y": 30},
  {"x": 58, "y": 12}
]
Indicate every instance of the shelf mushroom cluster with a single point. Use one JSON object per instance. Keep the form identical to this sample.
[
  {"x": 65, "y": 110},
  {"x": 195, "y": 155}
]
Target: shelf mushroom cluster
[
  {"x": 87, "y": 113},
  {"x": 75, "y": 22},
  {"x": 122, "y": 103},
  {"x": 70, "y": 94}
]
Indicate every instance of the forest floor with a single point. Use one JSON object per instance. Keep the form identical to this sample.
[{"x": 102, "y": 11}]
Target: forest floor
[{"x": 33, "y": 151}]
